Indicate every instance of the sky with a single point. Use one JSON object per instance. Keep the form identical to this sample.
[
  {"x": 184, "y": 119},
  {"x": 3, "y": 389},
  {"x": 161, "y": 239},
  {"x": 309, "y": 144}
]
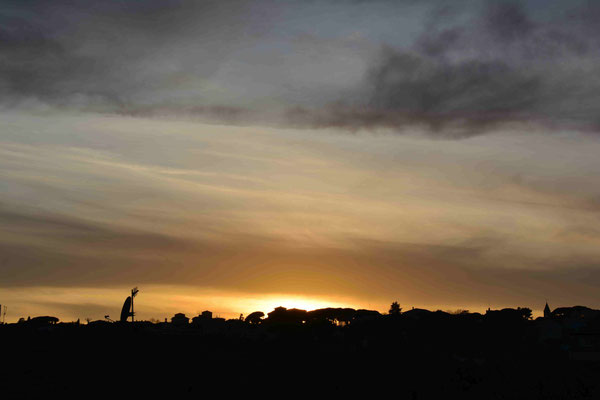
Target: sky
[{"x": 235, "y": 156}]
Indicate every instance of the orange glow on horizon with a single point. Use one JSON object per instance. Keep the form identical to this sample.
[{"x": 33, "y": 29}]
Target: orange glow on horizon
[
  {"x": 155, "y": 302},
  {"x": 270, "y": 302}
]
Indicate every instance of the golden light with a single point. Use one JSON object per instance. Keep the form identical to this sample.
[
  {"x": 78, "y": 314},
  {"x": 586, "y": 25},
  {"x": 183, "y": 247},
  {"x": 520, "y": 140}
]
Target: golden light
[
  {"x": 268, "y": 303},
  {"x": 159, "y": 302}
]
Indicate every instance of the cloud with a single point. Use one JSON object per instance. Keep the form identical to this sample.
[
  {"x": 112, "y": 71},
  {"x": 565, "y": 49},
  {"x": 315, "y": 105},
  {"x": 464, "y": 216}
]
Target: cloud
[
  {"x": 54, "y": 248},
  {"x": 111, "y": 54},
  {"x": 499, "y": 68},
  {"x": 92, "y": 201},
  {"x": 508, "y": 21},
  {"x": 458, "y": 71}
]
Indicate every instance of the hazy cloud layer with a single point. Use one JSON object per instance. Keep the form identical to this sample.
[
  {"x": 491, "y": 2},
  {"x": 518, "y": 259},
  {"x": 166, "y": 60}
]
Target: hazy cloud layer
[
  {"x": 99, "y": 201},
  {"x": 453, "y": 70}
]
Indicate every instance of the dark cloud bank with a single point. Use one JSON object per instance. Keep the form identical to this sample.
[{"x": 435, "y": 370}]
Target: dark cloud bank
[
  {"x": 500, "y": 66},
  {"x": 474, "y": 67}
]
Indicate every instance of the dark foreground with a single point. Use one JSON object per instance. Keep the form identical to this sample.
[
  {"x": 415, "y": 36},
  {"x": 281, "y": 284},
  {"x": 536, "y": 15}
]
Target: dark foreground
[{"x": 425, "y": 358}]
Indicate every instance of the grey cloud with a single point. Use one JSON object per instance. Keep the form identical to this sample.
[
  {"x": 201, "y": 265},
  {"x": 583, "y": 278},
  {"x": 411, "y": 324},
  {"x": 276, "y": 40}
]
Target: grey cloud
[
  {"x": 508, "y": 21},
  {"x": 67, "y": 230},
  {"x": 218, "y": 113},
  {"x": 502, "y": 68},
  {"x": 478, "y": 92},
  {"x": 502, "y": 65},
  {"x": 475, "y": 66},
  {"x": 109, "y": 54},
  {"x": 42, "y": 222}
]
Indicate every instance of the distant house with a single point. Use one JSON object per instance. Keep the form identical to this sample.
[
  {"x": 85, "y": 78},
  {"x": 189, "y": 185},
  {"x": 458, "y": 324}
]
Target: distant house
[
  {"x": 99, "y": 323},
  {"x": 575, "y": 312},
  {"x": 180, "y": 319},
  {"x": 416, "y": 313},
  {"x": 204, "y": 316},
  {"x": 45, "y": 320},
  {"x": 366, "y": 314},
  {"x": 508, "y": 314}
]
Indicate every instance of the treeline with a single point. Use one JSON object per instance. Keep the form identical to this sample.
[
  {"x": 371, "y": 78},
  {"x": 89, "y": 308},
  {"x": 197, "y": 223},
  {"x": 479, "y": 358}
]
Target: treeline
[
  {"x": 346, "y": 316},
  {"x": 412, "y": 354}
]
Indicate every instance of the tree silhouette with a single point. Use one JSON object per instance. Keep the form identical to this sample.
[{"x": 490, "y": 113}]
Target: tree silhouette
[
  {"x": 525, "y": 312},
  {"x": 255, "y": 317},
  {"x": 395, "y": 308}
]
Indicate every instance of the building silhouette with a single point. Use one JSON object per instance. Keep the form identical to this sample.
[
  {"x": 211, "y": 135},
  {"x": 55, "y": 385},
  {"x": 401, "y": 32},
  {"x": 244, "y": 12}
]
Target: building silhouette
[{"x": 180, "y": 319}]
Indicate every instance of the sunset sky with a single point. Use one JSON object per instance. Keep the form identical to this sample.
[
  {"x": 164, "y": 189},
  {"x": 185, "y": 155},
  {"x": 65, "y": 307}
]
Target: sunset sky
[{"x": 235, "y": 156}]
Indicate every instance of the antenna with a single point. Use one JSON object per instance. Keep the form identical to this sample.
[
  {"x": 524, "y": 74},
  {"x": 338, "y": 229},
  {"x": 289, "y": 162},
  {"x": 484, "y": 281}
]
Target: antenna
[
  {"x": 127, "y": 310},
  {"x": 134, "y": 291},
  {"x": 3, "y": 314}
]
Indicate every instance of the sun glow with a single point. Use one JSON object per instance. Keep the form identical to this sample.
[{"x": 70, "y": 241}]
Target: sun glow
[{"x": 302, "y": 302}]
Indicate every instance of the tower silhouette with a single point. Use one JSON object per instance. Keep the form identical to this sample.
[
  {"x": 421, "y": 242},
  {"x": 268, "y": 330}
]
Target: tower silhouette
[{"x": 547, "y": 311}]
